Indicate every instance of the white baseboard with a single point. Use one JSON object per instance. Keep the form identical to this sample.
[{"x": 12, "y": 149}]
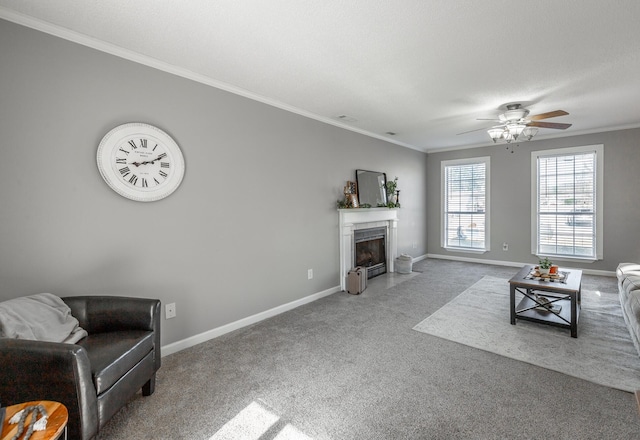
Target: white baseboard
[
  {"x": 174, "y": 347},
  {"x": 420, "y": 258},
  {"x": 177, "y": 346},
  {"x": 511, "y": 264}
]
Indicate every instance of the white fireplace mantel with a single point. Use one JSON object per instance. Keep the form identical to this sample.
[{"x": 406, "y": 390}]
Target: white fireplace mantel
[{"x": 363, "y": 218}]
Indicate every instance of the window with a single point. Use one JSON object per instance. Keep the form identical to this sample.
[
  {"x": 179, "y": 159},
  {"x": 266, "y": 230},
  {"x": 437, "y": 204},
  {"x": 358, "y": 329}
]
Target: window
[
  {"x": 465, "y": 204},
  {"x": 567, "y": 202}
]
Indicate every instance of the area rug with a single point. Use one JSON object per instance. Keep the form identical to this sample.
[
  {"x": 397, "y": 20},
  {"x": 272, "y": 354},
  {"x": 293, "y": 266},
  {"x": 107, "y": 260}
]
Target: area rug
[{"x": 602, "y": 353}]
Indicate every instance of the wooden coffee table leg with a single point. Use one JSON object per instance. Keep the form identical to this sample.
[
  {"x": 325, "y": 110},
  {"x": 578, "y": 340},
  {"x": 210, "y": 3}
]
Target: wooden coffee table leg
[
  {"x": 512, "y": 295},
  {"x": 580, "y": 294},
  {"x": 574, "y": 315}
]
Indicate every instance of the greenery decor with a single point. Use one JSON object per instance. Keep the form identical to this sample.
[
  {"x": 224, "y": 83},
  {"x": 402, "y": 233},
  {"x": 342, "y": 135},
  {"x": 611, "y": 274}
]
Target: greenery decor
[
  {"x": 345, "y": 204},
  {"x": 391, "y": 187},
  {"x": 545, "y": 263},
  {"x": 392, "y": 193}
]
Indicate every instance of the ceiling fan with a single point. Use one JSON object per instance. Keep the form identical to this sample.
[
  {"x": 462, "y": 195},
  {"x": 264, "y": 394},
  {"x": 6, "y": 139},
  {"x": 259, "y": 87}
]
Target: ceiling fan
[{"x": 516, "y": 121}]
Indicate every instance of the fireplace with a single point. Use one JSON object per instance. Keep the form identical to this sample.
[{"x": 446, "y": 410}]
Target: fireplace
[
  {"x": 370, "y": 250},
  {"x": 357, "y": 219}
]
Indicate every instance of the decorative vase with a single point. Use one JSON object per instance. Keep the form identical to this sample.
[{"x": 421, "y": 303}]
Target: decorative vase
[{"x": 543, "y": 271}]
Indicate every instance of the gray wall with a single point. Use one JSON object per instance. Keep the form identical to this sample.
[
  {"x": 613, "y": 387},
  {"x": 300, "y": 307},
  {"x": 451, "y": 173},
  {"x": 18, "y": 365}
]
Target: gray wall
[
  {"x": 256, "y": 208},
  {"x": 511, "y": 198}
]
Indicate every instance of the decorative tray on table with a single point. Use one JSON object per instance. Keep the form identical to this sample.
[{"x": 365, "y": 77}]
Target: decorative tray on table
[{"x": 554, "y": 277}]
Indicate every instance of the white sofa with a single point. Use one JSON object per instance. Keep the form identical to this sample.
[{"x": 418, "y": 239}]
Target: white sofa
[{"x": 629, "y": 288}]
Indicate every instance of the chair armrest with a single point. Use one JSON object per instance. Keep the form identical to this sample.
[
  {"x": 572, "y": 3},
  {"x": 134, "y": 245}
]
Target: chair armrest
[{"x": 36, "y": 370}]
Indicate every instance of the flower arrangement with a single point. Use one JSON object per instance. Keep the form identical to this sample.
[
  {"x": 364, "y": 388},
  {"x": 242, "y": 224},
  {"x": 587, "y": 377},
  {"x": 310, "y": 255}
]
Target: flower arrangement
[{"x": 545, "y": 263}]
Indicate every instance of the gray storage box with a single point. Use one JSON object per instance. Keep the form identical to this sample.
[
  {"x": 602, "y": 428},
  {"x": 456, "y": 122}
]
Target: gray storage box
[{"x": 404, "y": 264}]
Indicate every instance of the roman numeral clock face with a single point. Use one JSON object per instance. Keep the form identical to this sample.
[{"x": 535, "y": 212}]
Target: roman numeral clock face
[
  {"x": 140, "y": 162},
  {"x": 142, "y": 165}
]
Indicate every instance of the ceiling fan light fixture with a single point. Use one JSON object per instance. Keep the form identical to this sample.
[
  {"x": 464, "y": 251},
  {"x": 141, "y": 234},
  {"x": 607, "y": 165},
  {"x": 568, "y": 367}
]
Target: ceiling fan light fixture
[
  {"x": 495, "y": 133},
  {"x": 507, "y": 136},
  {"x": 515, "y": 129},
  {"x": 529, "y": 132},
  {"x": 513, "y": 124}
]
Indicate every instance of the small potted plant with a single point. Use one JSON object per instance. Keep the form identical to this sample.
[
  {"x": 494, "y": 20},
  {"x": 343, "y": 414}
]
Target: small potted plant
[{"x": 544, "y": 264}]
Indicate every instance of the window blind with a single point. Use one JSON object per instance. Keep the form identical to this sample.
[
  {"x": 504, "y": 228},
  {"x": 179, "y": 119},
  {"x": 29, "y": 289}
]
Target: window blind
[
  {"x": 566, "y": 205},
  {"x": 465, "y": 205}
]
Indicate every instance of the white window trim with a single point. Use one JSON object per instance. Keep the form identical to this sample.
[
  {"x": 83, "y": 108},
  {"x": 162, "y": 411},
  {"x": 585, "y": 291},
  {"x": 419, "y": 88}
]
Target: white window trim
[
  {"x": 599, "y": 150},
  {"x": 443, "y": 233}
]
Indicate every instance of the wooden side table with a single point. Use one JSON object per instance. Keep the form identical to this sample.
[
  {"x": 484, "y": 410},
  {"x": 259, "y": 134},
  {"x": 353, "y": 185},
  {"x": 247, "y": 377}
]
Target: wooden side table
[{"x": 56, "y": 423}]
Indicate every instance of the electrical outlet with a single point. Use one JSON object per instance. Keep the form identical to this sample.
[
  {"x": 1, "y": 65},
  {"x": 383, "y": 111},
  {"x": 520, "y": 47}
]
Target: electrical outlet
[
  {"x": 310, "y": 274},
  {"x": 505, "y": 246},
  {"x": 170, "y": 311}
]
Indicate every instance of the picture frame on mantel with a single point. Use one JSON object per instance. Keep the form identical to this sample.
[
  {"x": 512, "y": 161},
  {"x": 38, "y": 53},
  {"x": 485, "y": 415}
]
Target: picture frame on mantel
[
  {"x": 371, "y": 188},
  {"x": 351, "y": 194}
]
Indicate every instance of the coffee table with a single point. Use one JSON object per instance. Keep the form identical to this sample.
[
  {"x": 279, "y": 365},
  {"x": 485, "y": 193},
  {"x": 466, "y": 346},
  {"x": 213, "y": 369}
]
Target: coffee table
[{"x": 547, "y": 302}]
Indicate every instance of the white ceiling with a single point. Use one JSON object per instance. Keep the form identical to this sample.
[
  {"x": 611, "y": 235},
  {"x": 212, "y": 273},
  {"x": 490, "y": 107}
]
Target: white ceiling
[{"x": 424, "y": 69}]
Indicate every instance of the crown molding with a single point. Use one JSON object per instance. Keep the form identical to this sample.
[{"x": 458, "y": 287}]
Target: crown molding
[{"x": 127, "y": 54}]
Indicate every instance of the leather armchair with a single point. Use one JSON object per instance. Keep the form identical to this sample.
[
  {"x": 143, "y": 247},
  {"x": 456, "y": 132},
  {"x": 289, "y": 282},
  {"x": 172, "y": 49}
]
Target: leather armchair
[{"x": 95, "y": 377}]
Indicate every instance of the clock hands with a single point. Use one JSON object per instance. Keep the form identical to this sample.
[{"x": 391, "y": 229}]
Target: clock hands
[{"x": 137, "y": 164}]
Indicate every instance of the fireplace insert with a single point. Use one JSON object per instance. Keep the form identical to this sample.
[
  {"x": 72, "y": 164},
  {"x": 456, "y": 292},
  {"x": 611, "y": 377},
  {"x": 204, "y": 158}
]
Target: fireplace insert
[{"x": 370, "y": 250}]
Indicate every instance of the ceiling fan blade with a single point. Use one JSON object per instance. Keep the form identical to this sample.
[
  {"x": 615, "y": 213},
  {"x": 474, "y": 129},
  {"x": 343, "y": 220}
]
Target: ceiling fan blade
[
  {"x": 555, "y": 125},
  {"x": 477, "y": 129},
  {"x": 553, "y": 114}
]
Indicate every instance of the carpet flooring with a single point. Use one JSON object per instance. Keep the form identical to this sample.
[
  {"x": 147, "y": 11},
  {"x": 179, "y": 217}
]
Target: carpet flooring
[
  {"x": 352, "y": 367},
  {"x": 603, "y": 352}
]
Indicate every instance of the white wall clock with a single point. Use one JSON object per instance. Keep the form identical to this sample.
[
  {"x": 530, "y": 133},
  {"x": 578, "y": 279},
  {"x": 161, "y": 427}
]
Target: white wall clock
[{"x": 140, "y": 162}]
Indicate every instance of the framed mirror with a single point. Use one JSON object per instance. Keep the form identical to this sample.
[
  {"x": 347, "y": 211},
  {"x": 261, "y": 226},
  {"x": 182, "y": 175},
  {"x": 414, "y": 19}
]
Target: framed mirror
[{"x": 371, "y": 187}]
